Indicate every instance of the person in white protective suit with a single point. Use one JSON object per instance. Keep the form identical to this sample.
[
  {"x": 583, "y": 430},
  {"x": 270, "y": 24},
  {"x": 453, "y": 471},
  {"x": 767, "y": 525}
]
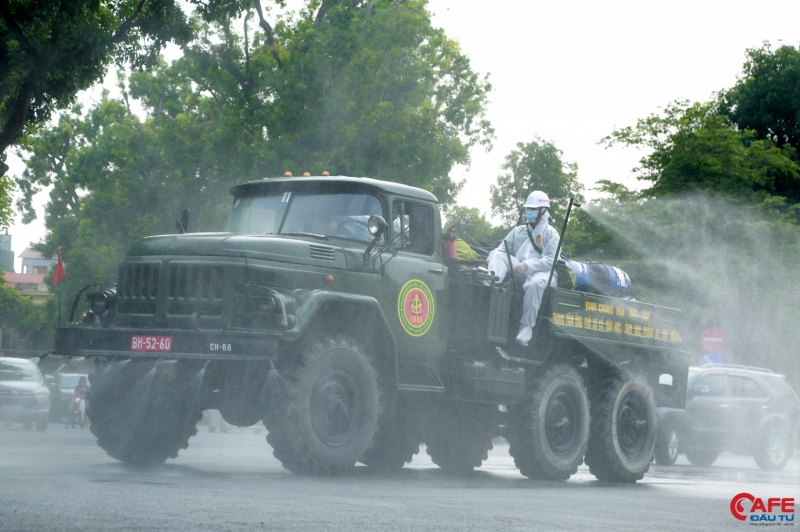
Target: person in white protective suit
[{"x": 532, "y": 248}]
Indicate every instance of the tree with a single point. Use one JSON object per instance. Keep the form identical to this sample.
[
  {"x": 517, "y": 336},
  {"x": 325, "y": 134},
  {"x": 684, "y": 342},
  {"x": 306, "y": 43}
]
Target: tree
[
  {"x": 13, "y": 305},
  {"x": 349, "y": 87},
  {"x": 694, "y": 147},
  {"x": 536, "y": 165},
  {"x": 766, "y": 100},
  {"x": 52, "y": 49}
]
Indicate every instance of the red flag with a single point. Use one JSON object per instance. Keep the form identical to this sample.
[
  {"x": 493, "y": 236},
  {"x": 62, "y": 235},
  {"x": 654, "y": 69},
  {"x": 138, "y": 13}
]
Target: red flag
[{"x": 60, "y": 274}]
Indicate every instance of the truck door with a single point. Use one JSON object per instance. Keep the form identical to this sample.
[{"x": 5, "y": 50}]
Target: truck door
[{"x": 414, "y": 290}]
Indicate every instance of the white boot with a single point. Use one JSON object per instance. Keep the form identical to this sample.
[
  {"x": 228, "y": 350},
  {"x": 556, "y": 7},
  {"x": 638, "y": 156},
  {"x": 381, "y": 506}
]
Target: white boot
[{"x": 525, "y": 334}]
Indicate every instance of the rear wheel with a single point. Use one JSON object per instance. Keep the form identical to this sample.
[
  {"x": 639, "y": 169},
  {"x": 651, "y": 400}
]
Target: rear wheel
[
  {"x": 459, "y": 437},
  {"x": 548, "y": 433},
  {"x": 773, "y": 450},
  {"x": 624, "y": 426},
  {"x": 666, "y": 452},
  {"x": 701, "y": 457},
  {"x": 143, "y": 413},
  {"x": 331, "y": 409}
]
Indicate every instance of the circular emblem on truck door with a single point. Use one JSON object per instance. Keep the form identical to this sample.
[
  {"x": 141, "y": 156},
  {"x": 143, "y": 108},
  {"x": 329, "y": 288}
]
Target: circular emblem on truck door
[{"x": 415, "y": 307}]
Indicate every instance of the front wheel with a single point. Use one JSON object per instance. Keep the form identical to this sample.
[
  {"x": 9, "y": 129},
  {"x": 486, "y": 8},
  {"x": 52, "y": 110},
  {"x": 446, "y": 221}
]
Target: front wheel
[
  {"x": 143, "y": 412},
  {"x": 548, "y": 433},
  {"x": 331, "y": 409},
  {"x": 623, "y": 428},
  {"x": 666, "y": 452}
]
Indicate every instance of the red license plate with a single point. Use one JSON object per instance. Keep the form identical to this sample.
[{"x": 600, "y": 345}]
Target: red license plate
[{"x": 161, "y": 344}]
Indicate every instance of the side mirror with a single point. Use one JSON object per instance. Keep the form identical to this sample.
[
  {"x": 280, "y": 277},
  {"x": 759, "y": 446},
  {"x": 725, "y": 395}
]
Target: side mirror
[{"x": 376, "y": 226}]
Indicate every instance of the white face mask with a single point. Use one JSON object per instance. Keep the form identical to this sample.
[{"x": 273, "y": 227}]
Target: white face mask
[{"x": 531, "y": 215}]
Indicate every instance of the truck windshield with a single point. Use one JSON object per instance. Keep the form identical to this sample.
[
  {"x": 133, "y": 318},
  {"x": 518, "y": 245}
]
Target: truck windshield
[{"x": 330, "y": 215}]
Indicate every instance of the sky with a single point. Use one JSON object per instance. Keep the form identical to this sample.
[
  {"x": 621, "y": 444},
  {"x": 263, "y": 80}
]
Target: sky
[{"x": 572, "y": 72}]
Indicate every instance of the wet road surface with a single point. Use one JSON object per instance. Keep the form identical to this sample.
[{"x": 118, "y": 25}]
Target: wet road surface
[{"x": 61, "y": 480}]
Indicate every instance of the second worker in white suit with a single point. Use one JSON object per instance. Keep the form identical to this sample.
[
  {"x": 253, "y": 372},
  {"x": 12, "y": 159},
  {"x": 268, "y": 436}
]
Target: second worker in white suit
[{"x": 532, "y": 248}]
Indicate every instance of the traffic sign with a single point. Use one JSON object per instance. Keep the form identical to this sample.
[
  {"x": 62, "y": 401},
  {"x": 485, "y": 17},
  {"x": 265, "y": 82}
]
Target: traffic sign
[{"x": 713, "y": 340}]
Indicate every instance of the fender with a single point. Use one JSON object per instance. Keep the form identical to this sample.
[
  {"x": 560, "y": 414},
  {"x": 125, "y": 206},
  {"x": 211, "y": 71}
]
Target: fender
[
  {"x": 313, "y": 307},
  {"x": 778, "y": 419}
]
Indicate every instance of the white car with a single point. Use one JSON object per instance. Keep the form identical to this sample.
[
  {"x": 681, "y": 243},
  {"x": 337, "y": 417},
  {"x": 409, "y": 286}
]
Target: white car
[{"x": 24, "y": 398}]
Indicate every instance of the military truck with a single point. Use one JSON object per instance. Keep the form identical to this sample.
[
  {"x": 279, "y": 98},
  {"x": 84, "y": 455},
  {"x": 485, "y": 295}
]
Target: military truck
[{"x": 329, "y": 309}]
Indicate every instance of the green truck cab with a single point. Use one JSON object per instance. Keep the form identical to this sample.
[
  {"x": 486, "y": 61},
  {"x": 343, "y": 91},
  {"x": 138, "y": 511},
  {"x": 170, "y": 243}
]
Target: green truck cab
[{"x": 328, "y": 308}]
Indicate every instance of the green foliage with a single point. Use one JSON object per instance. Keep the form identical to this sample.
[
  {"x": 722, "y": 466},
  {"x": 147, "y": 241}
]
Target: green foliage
[
  {"x": 38, "y": 324},
  {"x": 6, "y": 213},
  {"x": 470, "y": 225},
  {"x": 536, "y": 165},
  {"x": 766, "y": 98},
  {"x": 694, "y": 147},
  {"x": 351, "y": 88},
  {"x": 50, "y": 50},
  {"x": 13, "y": 305}
]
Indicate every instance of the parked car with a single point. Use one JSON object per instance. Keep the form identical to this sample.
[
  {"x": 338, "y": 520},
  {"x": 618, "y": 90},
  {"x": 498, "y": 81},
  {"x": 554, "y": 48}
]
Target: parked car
[
  {"x": 24, "y": 398},
  {"x": 62, "y": 392},
  {"x": 739, "y": 409}
]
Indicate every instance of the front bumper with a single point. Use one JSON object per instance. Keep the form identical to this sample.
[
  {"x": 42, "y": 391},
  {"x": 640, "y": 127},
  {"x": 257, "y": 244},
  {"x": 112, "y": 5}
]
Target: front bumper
[
  {"x": 198, "y": 344},
  {"x": 16, "y": 411}
]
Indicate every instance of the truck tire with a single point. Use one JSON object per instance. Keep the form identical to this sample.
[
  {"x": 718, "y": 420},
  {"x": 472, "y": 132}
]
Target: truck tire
[
  {"x": 667, "y": 445},
  {"x": 548, "y": 432},
  {"x": 774, "y": 449},
  {"x": 143, "y": 413},
  {"x": 331, "y": 409},
  {"x": 701, "y": 457},
  {"x": 623, "y": 429},
  {"x": 459, "y": 437},
  {"x": 396, "y": 441}
]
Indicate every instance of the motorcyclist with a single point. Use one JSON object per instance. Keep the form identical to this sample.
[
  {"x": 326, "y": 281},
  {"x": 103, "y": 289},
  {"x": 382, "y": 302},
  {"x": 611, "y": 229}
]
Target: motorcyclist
[{"x": 532, "y": 248}]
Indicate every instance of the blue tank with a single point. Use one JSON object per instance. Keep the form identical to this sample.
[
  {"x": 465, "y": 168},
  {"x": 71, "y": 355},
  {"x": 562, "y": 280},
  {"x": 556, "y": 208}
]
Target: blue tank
[{"x": 600, "y": 278}]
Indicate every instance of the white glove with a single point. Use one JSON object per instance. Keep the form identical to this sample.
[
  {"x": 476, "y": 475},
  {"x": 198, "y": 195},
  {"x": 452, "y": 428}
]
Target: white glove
[{"x": 521, "y": 268}]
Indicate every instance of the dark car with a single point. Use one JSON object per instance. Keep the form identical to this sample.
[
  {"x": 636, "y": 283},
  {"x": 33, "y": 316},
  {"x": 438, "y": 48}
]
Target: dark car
[
  {"x": 739, "y": 409},
  {"x": 62, "y": 392},
  {"x": 23, "y": 395}
]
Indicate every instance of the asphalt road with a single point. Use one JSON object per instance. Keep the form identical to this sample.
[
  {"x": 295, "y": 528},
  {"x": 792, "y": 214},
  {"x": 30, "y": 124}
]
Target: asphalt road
[{"x": 61, "y": 480}]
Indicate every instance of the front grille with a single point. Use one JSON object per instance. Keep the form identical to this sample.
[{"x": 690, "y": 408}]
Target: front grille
[
  {"x": 21, "y": 398},
  {"x": 195, "y": 288},
  {"x": 137, "y": 288},
  {"x": 322, "y": 252}
]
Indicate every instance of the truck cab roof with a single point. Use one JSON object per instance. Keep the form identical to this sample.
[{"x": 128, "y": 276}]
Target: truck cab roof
[{"x": 332, "y": 182}]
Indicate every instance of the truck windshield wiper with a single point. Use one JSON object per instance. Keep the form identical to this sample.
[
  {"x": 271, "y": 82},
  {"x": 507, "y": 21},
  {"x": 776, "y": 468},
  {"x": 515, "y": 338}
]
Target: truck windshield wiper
[{"x": 312, "y": 235}]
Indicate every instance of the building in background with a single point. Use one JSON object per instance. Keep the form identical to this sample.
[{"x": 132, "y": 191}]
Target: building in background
[{"x": 33, "y": 262}]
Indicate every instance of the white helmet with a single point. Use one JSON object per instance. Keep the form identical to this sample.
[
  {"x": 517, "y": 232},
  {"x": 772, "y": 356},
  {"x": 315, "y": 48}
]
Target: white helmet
[{"x": 536, "y": 199}]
